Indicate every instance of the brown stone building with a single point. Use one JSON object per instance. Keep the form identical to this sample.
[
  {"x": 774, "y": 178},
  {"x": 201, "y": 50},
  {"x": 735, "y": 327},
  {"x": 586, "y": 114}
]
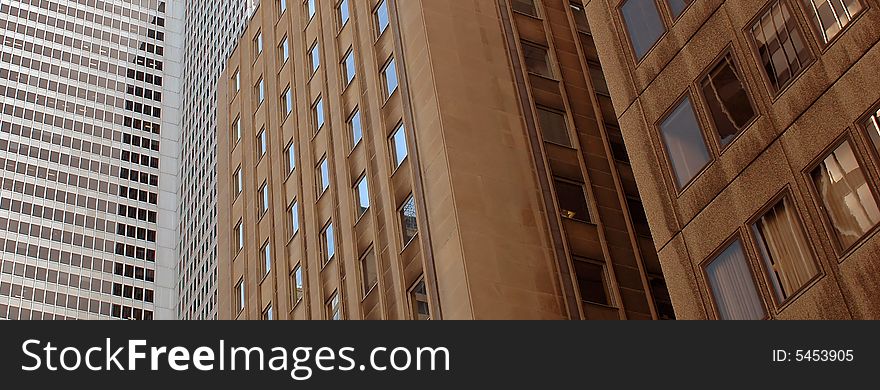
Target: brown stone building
[
  {"x": 426, "y": 159},
  {"x": 753, "y": 131}
]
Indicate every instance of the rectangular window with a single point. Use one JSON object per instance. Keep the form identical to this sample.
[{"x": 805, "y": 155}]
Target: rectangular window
[
  {"x": 282, "y": 6},
  {"x": 872, "y": 126},
  {"x": 318, "y": 114},
  {"x": 580, "y": 18},
  {"x": 237, "y": 182},
  {"x": 333, "y": 312},
  {"x": 310, "y": 8},
  {"x": 348, "y": 67},
  {"x": 284, "y": 50},
  {"x": 685, "y": 145},
  {"x": 355, "y": 127},
  {"x": 236, "y": 80},
  {"x": 732, "y": 286},
  {"x": 369, "y": 271},
  {"x": 537, "y": 59},
  {"x": 238, "y": 236},
  {"x": 554, "y": 126},
  {"x": 286, "y": 103},
  {"x": 362, "y": 195},
  {"x": 290, "y": 158},
  {"x": 643, "y": 23},
  {"x": 267, "y": 313},
  {"x": 258, "y": 45},
  {"x": 592, "y": 281},
  {"x": 831, "y": 16},
  {"x": 323, "y": 172},
  {"x": 572, "y": 200},
  {"x": 239, "y": 291},
  {"x": 315, "y": 57},
  {"x": 408, "y": 223},
  {"x": 677, "y": 7},
  {"x": 728, "y": 101},
  {"x": 780, "y": 44},
  {"x": 527, "y": 7},
  {"x": 236, "y": 131},
  {"x": 848, "y": 199},
  {"x": 296, "y": 285},
  {"x": 260, "y": 91},
  {"x": 293, "y": 218},
  {"x": 418, "y": 299},
  {"x": 343, "y": 13},
  {"x": 398, "y": 146},
  {"x": 264, "y": 199},
  {"x": 380, "y": 15},
  {"x": 328, "y": 243},
  {"x": 262, "y": 144},
  {"x": 785, "y": 253},
  {"x": 266, "y": 255},
  {"x": 389, "y": 76}
]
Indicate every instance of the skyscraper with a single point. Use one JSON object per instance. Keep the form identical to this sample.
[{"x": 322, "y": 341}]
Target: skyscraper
[
  {"x": 88, "y": 158},
  {"x": 753, "y": 127},
  {"x": 212, "y": 30},
  {"x": 395, "y": 159}
]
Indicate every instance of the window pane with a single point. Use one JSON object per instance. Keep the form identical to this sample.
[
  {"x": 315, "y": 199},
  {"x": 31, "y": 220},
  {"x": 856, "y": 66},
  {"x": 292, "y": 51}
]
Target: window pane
[
  {"x": 537, "y": 60},
  {"x": 318, "y": 114},
  {"x": 684, "y": 143},
  {"x": 643, "y": 24},
  {"x": 408, "y": 223},
  {"x": 572, "y": 201},
  {"x": 784, "y": 251},
  {"x": 780, "y": 45},
  {"x": 727, "y": 99},
  {"x": 678, "y": 6},
  {"x": 333, "y": 308},
  {"x": 348, "y": 66},
  {"x": 381, "y": 15},
  {"x": 398, "y": 146},
  {"x": 291, "y": 158},
  {"x": 343, "y": 12},
  {"x": 847, "y": 196},
  {"x": 554, "y": 126},
  {"x": 362, "y": 193},
  {"x": 591, "y": 281},
  {"x": 323, "y": 176},
  {"x": 260, "y": 91},
  {"x": 262, "y": 143},
  {"x": 369, "y": 274},
  {"x": 267, "y": 258},
  {"x": 831, "y": 16},
  {"x": 241, "y": 296},
  {"x": 872, "y": 125},
  {"x": 314, "y": 57},
  {"x": 390, "y": 75},
  {"x": 733, "y": 287},
  {"x": 297, "y": 285},
  {"x": 418, "y": 297},
  {"x": 293, "y": 215},
  {"x": 527, "y": 7},
  {"x": 329, "y": 243},
  {"x": 356, "y": 128},
  {"x": 580, "y": 18},
  {"x": 285, "y": 50}
]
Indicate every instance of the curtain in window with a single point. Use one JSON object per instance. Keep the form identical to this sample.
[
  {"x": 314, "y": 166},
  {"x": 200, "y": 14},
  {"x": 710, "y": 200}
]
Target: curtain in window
[
  {"x": 784, "y": 250},
  {"x": 831, "y": 16},
  {"x": 733, "y": 287},
  {"x": 848, "y": 199}
]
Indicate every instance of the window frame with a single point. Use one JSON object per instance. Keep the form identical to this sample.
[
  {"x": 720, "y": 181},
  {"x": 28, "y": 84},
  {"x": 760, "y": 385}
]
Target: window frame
[
  {"x": 293, "y": 210},
  {"x": 809, "y": 15},
  {"x": 296, "y": 276},
  {"x": 383, "y": 76},
  {"x": 665, "y": 16},
  {"x": 324, "y": 245},
  {"x": 362, "y": 179},
  {"x": 583, "y": 187},
  {"x": 719, "y": 148},
  {"x": 670, "y": 168},
  {"x": 714, "y": 255},
  {"x": 405, "y": 244},
  {"x": 376, "y": 20},
  {"x": 365, "y": 290},
  {"x": 396, "y": 162}
]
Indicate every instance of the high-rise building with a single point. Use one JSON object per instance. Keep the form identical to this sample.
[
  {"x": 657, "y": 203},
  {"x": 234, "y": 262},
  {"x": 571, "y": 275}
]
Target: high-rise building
[
  {"x": 393, "y": 159},
  {"x": 89, "y": 91},
  {"x": 753, "y": 131},
  {"x": 212, "y": 29}
]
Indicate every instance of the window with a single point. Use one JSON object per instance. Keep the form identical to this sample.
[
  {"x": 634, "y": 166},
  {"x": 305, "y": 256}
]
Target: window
[
  {"x": 323, "y": 176},
  {"x": 284, "y": 49},
  {"x": 348, "y": 67},
  {"x": 847, "y": 197},
  {"x": 296, "y": 285},
  {"x": 643, "y": 23},
  {"x": 398, "y": 146},
  {"x": 310, "y": 8},
  {"x": 732, "y": 285},
  {"x": 572, "y": 200},
  {"x": 355, "y": 127},
  {"x": 290, "y": 160},
  {"x": 260, "y": 91},
  {"x": 780, "y": 44},
  {"x": 784, "y": 250},
  {"x": 418, "y": 299},
  {"x": 872, "y": 126},
  {"x": 286, "y": 103},
  {"x": 236, "y": 80},
  {"x": 554, "y": 126},
  {"x": 527, "y": 7},
  {"x": 236, "y": 131},
  {"x": 592, "y": 281},
  {"x": 318, "y": 114},
  {"x": 238, "y": 232},
  {"x": 389, "y": 75},
  {"x": 333, "y": 312},
  {"x": 266, "y": 255},
  {"x": 328, "y": 243},
  {"x": 580, "y": 18},
  {"x": 362, "y": 195},
  {"x": 677, "y": 7},
  {"x": 282, "y": 6},
  {"x": 685, "y": 145},
  {"x": 267, "y": 313},
  {"x": 262, "y": 144},
  {"x": 264, "y": 199},
  {"x": 239, "y": 291},
  {"x": 315, "y": 57},
  {"x": 537, "y": 59},
  {"x": 831, "y": 16},
  {"x": 343, "y": 10},
  {"x": 369, "y": 271},
  {"x": 726, "y": 97},
  {"x": 408, "y": 224},
  {"x": 237, "y": 182},
  {"x": 381, "y": 18},
  {"x": 293, "y": 218},
  {"x": 258, "y": 45}
]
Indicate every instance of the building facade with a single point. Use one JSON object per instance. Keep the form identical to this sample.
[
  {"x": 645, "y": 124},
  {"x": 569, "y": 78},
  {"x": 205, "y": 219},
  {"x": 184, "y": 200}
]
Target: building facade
[
  {"x": 212, "y": 30},
  {"x": 753, "y": 131},
  {"x": 88, "y": 158},
  {"x": 388, "y": 159}
]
